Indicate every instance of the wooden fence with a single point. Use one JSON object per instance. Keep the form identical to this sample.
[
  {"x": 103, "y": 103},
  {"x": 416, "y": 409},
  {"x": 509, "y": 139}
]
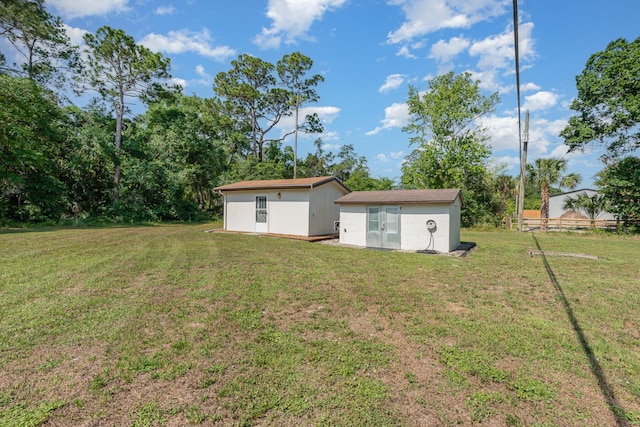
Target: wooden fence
[{"x": 565, "y": 223}]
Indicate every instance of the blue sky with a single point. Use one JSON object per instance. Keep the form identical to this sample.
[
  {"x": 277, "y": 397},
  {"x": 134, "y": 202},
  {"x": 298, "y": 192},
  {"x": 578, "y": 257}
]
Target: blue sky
[{"x": 369, "y": 51}]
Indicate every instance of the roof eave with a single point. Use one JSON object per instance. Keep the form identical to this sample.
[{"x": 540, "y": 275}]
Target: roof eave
[
  {"x": 283, "y": 186},
  {"x": 394, "y": 202}
]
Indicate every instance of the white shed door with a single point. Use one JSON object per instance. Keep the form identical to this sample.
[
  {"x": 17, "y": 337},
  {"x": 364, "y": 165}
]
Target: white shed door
[
  {"x": 262, "y": 225},
  {"x": 383, "y": 227}
]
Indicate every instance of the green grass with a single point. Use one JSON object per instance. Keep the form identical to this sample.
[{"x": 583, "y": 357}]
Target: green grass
[{"x": 168, "y": 325}]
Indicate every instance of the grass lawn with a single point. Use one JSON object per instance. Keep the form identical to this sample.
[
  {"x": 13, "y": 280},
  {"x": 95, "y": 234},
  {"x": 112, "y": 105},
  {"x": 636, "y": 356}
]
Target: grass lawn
[{"x": 171, "y": 326}]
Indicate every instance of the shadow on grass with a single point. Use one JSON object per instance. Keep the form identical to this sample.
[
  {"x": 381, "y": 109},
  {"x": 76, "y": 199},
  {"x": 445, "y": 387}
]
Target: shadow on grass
[
  {"x": 37, "y": 228},
  {"x": 605, "y": 388}
]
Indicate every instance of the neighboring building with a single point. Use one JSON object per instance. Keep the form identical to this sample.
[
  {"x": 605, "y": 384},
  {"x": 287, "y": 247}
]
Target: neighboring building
[
  {"x": 297, "y": 207},
  {"x": 556, "y": 203},
  {"x": 402, "y": 219}
]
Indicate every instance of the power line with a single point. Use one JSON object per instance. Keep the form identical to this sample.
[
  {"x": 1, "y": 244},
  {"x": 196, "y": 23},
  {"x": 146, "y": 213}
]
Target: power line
[{"x": 517, "y": 61}]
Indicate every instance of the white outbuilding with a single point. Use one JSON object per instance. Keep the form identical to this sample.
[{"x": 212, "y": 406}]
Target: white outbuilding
[
  {"x": 556, "y": 203},
  {"x": 402, "y": 219},
  {"x": 295, "y": 207}
]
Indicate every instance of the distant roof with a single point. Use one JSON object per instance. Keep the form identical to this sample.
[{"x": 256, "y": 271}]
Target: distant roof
[
  {"x": 438, "y": 196},
  {"x": 582, "y": 190},
  {"x": 281, "y": 184}
]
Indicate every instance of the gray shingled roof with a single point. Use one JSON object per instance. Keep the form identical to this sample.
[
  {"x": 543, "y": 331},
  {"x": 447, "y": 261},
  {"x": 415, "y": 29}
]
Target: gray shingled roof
[
  {"x": 395, "y": 197},
  {"x": 280, "y": 184}
]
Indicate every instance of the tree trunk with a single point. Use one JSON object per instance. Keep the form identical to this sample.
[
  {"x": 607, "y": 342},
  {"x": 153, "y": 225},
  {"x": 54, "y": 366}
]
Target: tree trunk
[
  {"x": 201, "y": 203},
  {"x": 260, "y": 151},
  {"x": 118, "y": 148},
  {"x": 544, "y": 208}
]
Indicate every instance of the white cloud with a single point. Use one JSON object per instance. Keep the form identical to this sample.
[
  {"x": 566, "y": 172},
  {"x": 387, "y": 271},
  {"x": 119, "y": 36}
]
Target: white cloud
[
  {"x": 292, "y": 19},
  {"x": 444, "y": 51},
  {"x": 326, "y": 115},
  {"x": 556, "y": 126},
  {"x": 543, "y": 134},
  {"x": 331, "y": 147},
  {"x": 77, "y": 9},
  {"x": 75, "y": 34},
  {"x": 496, "y": 57},
  {"x": 329, "y": 136},
  {"x": 489, "y": 81},
  {"x": 540, "y": 101},
  {"x": 175, "y": 81},
  {"x": 201, "y": 72},
  {"x": 395, "y": 116},
  {"x": 205, "y": 78},
  {"x": 165, "y": 10},
  {"x": 404, "y": 51},
  {"x": 426, "y": 16},
  {"x": 187, "y": 41},
  {"x": 397, "y": 154},
  {"x": 392, "y": 82},
  {"x": 510, "y": 161},
  {"x": 502, "y": 131},
  {"x": 560, "y": 151},
  {"x": 497, "y": 51},
  {"x": 382, "y": 157},
  {"x": 526, "y": 87}
]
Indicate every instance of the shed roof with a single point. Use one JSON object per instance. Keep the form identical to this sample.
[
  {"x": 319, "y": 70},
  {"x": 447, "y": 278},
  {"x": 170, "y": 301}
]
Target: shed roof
[
  {"x": 275, "y": 184},
  {"x": 430, "y": 197}
]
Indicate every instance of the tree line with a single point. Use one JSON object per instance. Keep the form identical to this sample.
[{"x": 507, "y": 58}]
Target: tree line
[{"x": 102, "y": 162}]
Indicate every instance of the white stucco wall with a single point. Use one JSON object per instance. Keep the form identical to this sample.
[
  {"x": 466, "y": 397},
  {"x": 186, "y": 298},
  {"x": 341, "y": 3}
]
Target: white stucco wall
[
  {"x": 414, "y": 234},
  {"x": 353, "y": 225},
  {"x": 290, "y": 213},
  {"x": 298, "y": 212},
  {"x": 240, "y": 211},
  {"x": 287, "y": 215},
  {"x": 322, "y": 209},
  {"x": 454, "y": 224}
]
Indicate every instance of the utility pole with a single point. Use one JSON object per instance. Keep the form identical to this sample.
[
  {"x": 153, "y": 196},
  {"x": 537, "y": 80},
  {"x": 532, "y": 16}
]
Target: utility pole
[
  {"x": 517, "y": 64},
  {"x": 295, "y": 138},
  {"x": 523, "y": 170}
]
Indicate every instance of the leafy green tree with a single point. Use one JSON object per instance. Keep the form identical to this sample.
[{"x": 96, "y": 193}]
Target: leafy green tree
[
  {"x": 87, "y": 160},
  {"x": 187, "y": 136},
  {"x": 545, "y": 173},
  {"x": 258, "y": 95},
  {"x": 347, "y": 162},
  {"x": 608, "y": 101},
  {"x": 361, "y": 180},
  {"x": 451, "y": 149},
  {"x": 252, "y": 98},
  {"x": 506, "y": 188},
  {"x": 39, "y": 39},
  {"x": 277, "y": 163},
  {"x": 30, "y": 142},
  {"x": 119, "y": 68},
  {"x": 233, "y": 132},
  {"x": 292, "y": 70},
  {"x": 317, "y": 163},
  {"x": 346, "y": 165},
  {"x": 173, "y": 157},
  {"x": 620, "y": 184}
]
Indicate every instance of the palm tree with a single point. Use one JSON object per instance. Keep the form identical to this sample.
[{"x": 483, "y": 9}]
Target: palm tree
[
  {"x": 592, "y": 206},
  {"x": 547, "y": 173}
]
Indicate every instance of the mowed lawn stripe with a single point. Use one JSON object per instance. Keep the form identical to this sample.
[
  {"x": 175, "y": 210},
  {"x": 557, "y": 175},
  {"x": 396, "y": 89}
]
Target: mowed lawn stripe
[{"x": 168, "y": 325}]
